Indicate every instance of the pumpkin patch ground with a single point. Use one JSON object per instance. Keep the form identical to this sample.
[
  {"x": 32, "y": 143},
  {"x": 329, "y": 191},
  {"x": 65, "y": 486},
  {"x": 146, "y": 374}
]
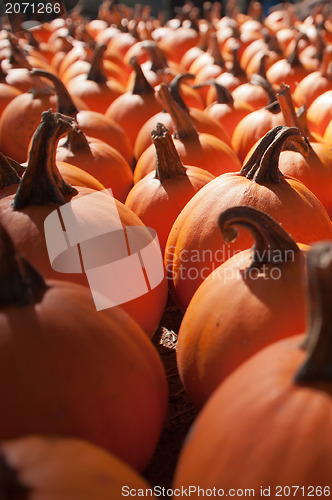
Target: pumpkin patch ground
[{"x": 165, "y": 249}]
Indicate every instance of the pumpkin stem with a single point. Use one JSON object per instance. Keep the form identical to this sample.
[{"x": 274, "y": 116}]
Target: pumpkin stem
[
  {"x": 174, "y": 88},
  {"x": 10, "y": 171},
  {"x": 96, "y": 72},
  {"x": 76, "y": 141},
  {"x": 156, "y": 55},
  {"x": 214, "y": 51},
  {"x": 224, "y": 96},
  {"x": 258, "y": 79},
  {"x": 42, "y": 182},
  {"x": 141, "y": 85},
  {"x": 168, "y": 163},
  {"x": 236, "y": 69},
  {"x": 318, "y": 365},
  {"x": 262, "y": 166},
  {"x": 326, "y": 66},
  {"x": 273, "y": 245},
  {"x": 291, "y": 117},
  {"x": 183, "y": 125},
  {"x": 21, "y": 284},
  {"x": 65, "y": 102},
  {"x": 294, "y": 59}
]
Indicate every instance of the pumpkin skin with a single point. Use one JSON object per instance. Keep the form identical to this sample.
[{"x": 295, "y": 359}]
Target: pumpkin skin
[
  {"x": 71, "y": 467},
  {"x": 99, "y": 160},
  {"x": 24, "y": 219},
  {"x": 193, "y": 248},
  {"x": 270, "y": 295},
  {"x": 65, "y": 359},
  {"x": 168, "y": 189},
  {"x": 283, "y": 395},
  {"x": 320, "y": 113},
  {"x": 132, "y": 109}
]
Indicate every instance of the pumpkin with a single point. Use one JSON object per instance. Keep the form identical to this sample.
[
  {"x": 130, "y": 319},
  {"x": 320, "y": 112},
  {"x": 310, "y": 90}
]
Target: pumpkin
[
  {"x": 92, "y": 123},
  {"x": 269, "y": 410},
  {"x": 320, "y": 114},
  {"x": 193, "y": 247},
  {"x": 97, "y": 159},
  {"x": 226, "y": 110},
  {"x": 254, "y": 126},
  {"x": 64, "y": 360},
  {"x": 71, "y": 467},
  {"x": 95, "y": 89},
  {"x": 158, "y": 198},
  {"x": 41, "y": 191},
  {"x": 199, "y": 150},
  {"x": 316, "y": 83},
  {"x": 314, "y": 169},
  {"x": 265, "y": 283},
  {"x": 132, "y": 109}
]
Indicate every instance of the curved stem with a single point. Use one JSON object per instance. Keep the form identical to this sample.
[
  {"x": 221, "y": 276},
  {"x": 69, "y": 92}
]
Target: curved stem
[
  {"x": 21, "y": 284},
  {"x": 141, "y": 85},
  {"x": 224, "y": 96},
  {"x": 96, "y": 72},
  {"x": 174, "y": 88},
  {"x": 262, "y": 166},
  {"x": 168, "y": 163},
  {"x": 294, "y": 59},
  {"x": 183, "y": 125},
  {"x": 273, "y": 245},
  {"x": 257, "y": 79},
  {"x": 318, "y": 365},
  {"x": 42, "y": 182},
  {"x": 65, "y": 102}
]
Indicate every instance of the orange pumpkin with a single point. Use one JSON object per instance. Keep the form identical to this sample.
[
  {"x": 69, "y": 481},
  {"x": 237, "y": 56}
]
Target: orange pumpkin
[
  {"x": 41, "y": 191},
  {"x": 72, "y": 467},
  {"x": 92, "y": 123},
  {"x": 270, "y": 409},
  {"x": 200, "y": 150},
  {"x": 193, "y": 247},
  {"x": 265, "y": 283},
  {"x": 132, "y": 109},
  {"x": 159, "y": 197},
  {"x": 95, "y": 89},
  {"x": 64, "y": 360}
]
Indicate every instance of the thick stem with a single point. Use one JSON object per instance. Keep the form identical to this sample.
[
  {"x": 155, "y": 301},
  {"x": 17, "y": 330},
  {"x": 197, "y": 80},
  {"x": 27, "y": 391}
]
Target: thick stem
[
  {"x": 168, "y": 163},
  {"x": 273, "y": 245},
  {"x": 174, "y": 88},
  {"x": 262, "y": 166},
  {"x": 42, "y": 182},
  {"x": 96, "y": 72},
  {"x": 291, "y": 118},
  {"x": 141, "y": 85},
  {"x": 21, "y": 284},
  {"x": 183, "y": 125},
  {"x": 65, "y": 102},
  {"x": 224, "y": 96},
  {"x": 318, "y": 365}
]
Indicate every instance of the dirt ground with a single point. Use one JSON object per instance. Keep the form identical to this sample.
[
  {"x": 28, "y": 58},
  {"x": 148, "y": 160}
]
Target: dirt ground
[{"x": 181, "y": 413}]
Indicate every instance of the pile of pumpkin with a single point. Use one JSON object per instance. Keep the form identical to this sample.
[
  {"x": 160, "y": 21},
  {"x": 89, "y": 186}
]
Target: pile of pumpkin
[{"x": 216, "y": 132}]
